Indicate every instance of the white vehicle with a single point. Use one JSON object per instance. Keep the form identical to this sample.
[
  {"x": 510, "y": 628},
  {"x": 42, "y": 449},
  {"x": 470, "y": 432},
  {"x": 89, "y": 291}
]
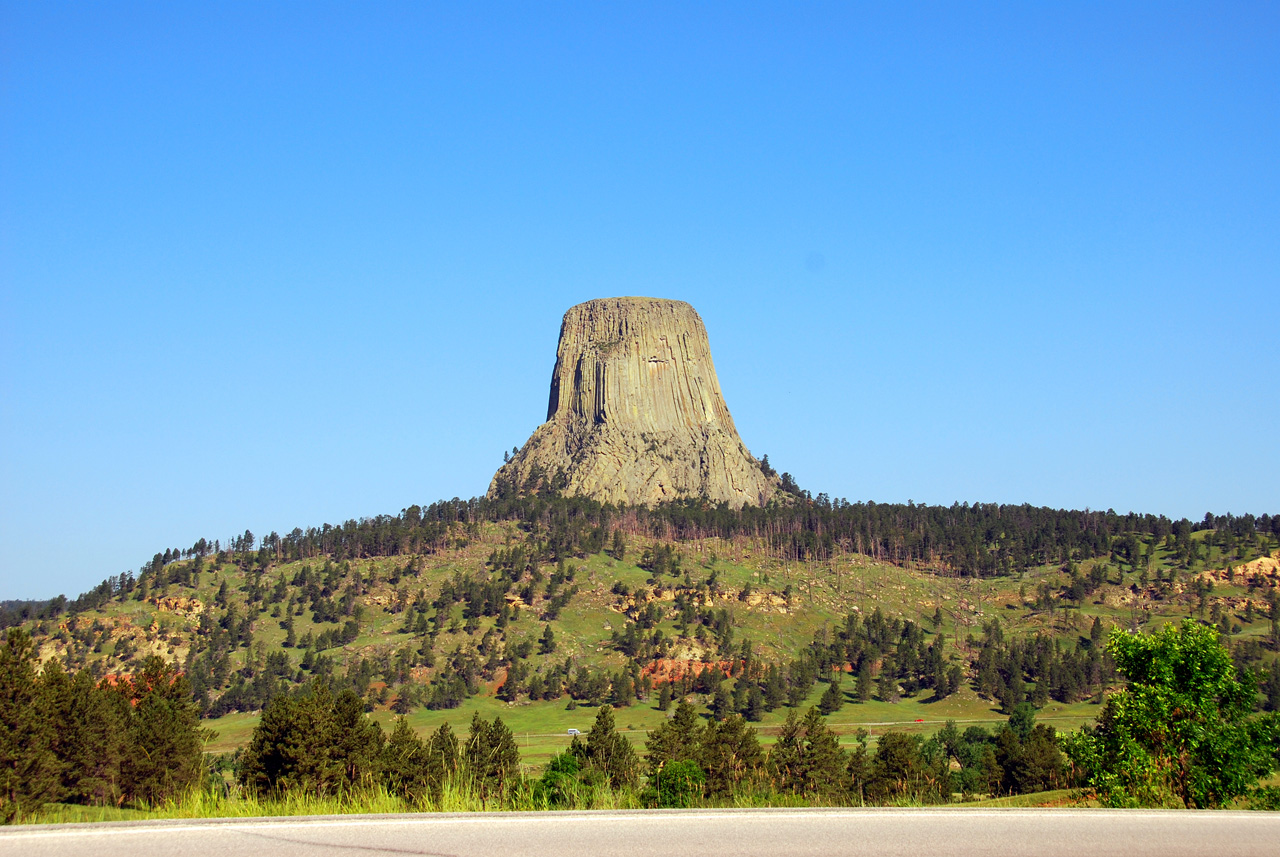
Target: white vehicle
[{"x": 574, "y": 732}]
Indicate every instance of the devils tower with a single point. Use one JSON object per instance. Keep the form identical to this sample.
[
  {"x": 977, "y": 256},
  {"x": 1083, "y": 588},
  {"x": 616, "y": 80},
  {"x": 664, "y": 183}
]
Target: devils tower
[{"x": 635, "y": 413}]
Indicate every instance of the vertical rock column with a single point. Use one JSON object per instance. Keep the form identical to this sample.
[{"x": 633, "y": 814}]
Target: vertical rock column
[{"x": 635, "y": 413}]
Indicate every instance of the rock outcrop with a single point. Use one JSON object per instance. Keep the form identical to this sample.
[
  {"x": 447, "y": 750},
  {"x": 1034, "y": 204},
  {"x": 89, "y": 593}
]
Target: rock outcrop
[{"x": 635, "y": 414}]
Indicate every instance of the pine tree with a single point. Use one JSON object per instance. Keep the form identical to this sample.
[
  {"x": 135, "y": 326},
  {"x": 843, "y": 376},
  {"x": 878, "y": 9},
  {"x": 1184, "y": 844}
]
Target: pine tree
[
  {"x": 675, "y": 739},
  {"x": 833, "y": 699},
  {"x": 786, "y": 757},
  {"x": 730, "y": 756},
  {"x": 442, "y": 760},
  {"x": 356, "y": 740},
  {"x": 29, "y": 772},
  {"x": 88, "y": 734},
  {"x": 164, "y": 755},
  {"x": 859, "y": 767},
  {"x": 609, "y": 753},
  {"x": 824, "y": 760},
  {"x": 547, "y": 644},
  {"x": 312, "y": 741},
  {"x": 888, "y": 681},
  {"x": 491, "y": 756},
  {"x": 404, "y": 768}
]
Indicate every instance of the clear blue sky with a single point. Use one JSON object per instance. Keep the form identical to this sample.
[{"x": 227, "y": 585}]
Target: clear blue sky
[{"x": 268, "y": 265}]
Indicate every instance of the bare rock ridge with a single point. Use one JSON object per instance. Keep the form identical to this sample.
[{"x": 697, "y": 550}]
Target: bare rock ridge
[{"x": 635, "y": 414}]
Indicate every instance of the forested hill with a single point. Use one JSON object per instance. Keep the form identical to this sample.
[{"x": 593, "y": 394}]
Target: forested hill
[
  {"x": 978, "y": 540},
  {"x": 539, "y": 598}
]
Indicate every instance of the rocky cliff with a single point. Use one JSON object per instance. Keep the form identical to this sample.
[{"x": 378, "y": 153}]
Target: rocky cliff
[{"x": 635, "y": 413}]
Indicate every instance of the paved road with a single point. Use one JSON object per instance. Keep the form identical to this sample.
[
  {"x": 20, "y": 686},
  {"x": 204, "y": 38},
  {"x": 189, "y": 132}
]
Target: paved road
[{"x": 693, "y": 833}]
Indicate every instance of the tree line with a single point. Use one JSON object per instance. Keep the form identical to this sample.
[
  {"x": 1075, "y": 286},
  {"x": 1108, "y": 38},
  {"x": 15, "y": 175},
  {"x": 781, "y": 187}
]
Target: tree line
[
  {"x": 68, "y": 738},
  {"x": 978, "y": 539}
]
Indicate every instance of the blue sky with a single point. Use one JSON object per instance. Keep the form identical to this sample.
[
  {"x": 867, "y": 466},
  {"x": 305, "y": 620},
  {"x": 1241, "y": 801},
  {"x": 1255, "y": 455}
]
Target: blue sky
[{"x": 268, "y": 265}]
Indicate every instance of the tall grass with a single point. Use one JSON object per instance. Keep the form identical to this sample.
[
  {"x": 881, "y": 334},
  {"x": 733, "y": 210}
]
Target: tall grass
[{"x": 455, "y": 797}]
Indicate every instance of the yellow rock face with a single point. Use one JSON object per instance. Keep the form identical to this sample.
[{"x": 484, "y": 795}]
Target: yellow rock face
[{"x": 635, "y": 413}]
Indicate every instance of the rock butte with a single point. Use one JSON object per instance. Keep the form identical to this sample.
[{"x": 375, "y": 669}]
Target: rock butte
[{"x": 635, "y": 414}]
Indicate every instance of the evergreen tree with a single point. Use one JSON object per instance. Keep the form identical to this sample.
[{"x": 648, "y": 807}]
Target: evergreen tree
[
  {"x": 896, "y": 768},
  {"x": 1028, "y": 754},
  {"x": 442, "y": 760},
  {"x": 730, "y": 755},
  {"x": 356, "y": 740},
  {"x": 609, "y": 753},
  {"x": 404, "y": 766},
  {"x": 675, "y": 740},
  {"x": 833, "y": 699},
  {"x": 864, "y": 682},
  {"x": 30, "y": 774},
  {"x": 491, "y": 757},
  {"x": 859, "y": 768},
  {"x": 807, "y": 759},
  {"x": 721, "y": 703},
  {"x": 88, "y": 735},
  {"x": 164, "y": 755},
  {"x": 311, "y": 740},
  {"x": 547, "y": 644}
]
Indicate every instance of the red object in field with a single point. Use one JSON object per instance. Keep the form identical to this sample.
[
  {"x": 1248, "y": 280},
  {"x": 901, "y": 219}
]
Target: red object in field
[{"x": 919, "y": 719}]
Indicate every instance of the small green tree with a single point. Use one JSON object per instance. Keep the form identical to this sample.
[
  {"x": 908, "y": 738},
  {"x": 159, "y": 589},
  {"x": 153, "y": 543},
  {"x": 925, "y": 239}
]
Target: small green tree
[
  {"x": 807, "y": 759},
  {"x": 89, "y": 734},
  {"x": 676, "y": 739},
  {"x": 1182, "y": 733},
  {"x": 404, "y": 767},
  {"x": 547, "y": 644},
  {"x": 896, "y": 767},
  {"x": 610, "y": 753},
  {"x": 833, "y": 699},
  {"x": 314, "y": 741},
  {"x": 730, "y": 756},
  {"x": 491, "y": 757}
]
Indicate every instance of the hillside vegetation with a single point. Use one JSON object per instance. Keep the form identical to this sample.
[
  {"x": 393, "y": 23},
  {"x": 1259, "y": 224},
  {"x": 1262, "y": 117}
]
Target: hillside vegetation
[
  {"x": 531, "y": 607},
  {"x": 810, "y": 651}
]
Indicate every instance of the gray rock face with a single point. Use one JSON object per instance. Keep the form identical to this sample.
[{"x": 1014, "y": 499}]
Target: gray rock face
[{"x": 635, "y": 414}]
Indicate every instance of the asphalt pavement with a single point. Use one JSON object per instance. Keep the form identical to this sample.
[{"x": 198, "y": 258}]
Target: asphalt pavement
[{"x": 691, "y": 833}]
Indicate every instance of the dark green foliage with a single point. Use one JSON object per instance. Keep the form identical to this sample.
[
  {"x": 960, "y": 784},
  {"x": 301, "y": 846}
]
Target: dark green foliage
[
  {"x": 164, "y": 756},
  {"x": 560, "y": 784},
  {"x": 88, "y": 731},
  {"x": 730, "y": 756},
  {"x": 64, "y": 738},
  {"x": 491, "y": 758},
  {"x": 547, "y": 644},
  {"x": 30, "y": 773},
  {"x": 312, "y": 740},
  {"x": 727, "y": 752},
  {"x": 1028, "y": 754},
  {"x": 896, "y": 769},
  {"x": 807, "y": 759},
  {"x": 618, "y": 548},
  {"x": 679, "y": 784},
  {"x": 404, "y": 764},
  {"x": 609, "y": 753},
  {"x": 833, "y": 699},
  {"x": 676, "y": 739}
]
